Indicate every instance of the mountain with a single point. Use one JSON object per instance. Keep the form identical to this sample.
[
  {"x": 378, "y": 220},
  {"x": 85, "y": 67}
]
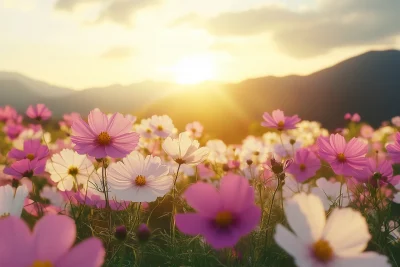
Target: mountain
[
  {"x": 368, "y": 84},
  {"x": 38, "y": 87}
]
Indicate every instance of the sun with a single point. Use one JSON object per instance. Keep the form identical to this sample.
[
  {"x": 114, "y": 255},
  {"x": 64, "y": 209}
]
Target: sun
[{"x": 194, "y": 69}]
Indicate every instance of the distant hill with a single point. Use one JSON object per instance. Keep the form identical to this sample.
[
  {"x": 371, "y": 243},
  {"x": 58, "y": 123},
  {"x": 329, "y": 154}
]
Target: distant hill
[{"x": 368, "y": 84}]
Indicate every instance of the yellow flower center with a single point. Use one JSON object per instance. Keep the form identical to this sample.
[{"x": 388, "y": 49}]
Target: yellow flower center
[
  {"x": 322, "y": 251},
  {"x": 42, "y": 264},
  {"x": 30, "y": 156},
  {"x": 73, "y": 171},
  {"x": 302, "y": 167},
  {"x": 224, "y": 219},
  {"x": 148, "y": 131},
  {"x": 104, "y": 139},
  {"x": 341, "y": 157},
  {"x": 160, "y": 128},
  {"x": 180, "y": 161},
  {"x": 281, "y": 124},
  {"x": 140, "y": 180}
]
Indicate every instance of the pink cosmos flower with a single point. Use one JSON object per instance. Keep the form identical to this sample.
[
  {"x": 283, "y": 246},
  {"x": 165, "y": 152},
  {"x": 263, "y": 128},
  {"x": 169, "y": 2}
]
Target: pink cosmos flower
[
  {"x": 305, "y": 165},
  {"x": 347, "y": 116},
  {"x": 26, "y": 168},
  {"x": 279, "y": 121},
  {"x": 377, "y": 172},
  {"x": 33, "y": 149},
  {"x": 223, "y": 216},
  {"x": 8, "y": 113},
  {"x": 195, "y": 129},
  {"x": 50, "y": 244},
  {"x": 96, "y": 201},
  {"x": 394, "y": 149},
  {"x": 38, "y": 112},
  {"x": 356, "y": 117},
  {"x": 343, "y": 157},
  {"x": 12, "y": 130},
  {"x": 70, "y": 118},
  {"x": 104, "y": 136}
]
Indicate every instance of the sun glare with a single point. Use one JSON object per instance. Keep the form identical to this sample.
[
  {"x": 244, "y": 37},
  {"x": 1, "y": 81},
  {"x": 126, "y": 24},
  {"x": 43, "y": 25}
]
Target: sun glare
[{"x": 195, "y": 69}]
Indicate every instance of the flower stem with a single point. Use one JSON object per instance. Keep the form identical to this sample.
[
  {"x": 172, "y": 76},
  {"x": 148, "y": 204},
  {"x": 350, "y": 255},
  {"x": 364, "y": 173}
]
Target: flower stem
[
  {"x": 270, "y": 210},
  {"x": 173, "y": 206}
]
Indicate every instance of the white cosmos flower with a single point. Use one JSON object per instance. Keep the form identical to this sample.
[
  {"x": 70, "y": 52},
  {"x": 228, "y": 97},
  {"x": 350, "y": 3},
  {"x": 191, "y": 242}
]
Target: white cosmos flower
[
  {"x": 144, "y": 128},
  {"x": 185, "y": 150},
  {"x": 217, "y": 151},
  {"x": 53, "y": 195},
  {"x": 338, "y": 241},
  {"x": 12, "y": 201},
  {"x": 139, "y": 179},
  {"x": 162, "y": 126},
  {"x": 68, "y": 167},
  {"x": 330, "y": 193}
]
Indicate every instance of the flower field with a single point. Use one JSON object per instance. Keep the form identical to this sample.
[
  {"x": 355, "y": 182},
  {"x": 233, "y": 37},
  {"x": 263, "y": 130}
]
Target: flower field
[{"x": 112, "y": 190}]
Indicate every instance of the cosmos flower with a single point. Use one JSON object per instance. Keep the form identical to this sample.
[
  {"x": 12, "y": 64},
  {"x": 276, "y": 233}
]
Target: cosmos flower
[
  {"x": 184, "y": 150},
  {"x": 33, "y": 149},
  {"x": 104, "y": 137},
  {"x": 377, "y": 172},
  {"x": 292, "y": 187},
  {"x": 279, "y": 121},
  {"x": 162, "y": 126},
  {"x": 8, "y": 113},
  {"x": 396, "y": 121},
  {"x": 12, "y": 201},
  {"x": 38, "y": 112},
  {"x": 26, "y": 168},
  {"x": 97, "y": 200},
  {"x": 347, "y": 116},
  {"x": 195, "y": 129},
  {"x": 394, "y": 149},
  {"x": 344, "y": 158},
  {"x": 318, "y": 242},
  {"x": 223, "y": 216},
  {"x": 70, "y": 118},
  {"x": 68, "y": 168},
  {"x": 217, "y": 151},
  {"x": 332, "y": 193},
  {"x": 47, "y": 245},
  {"x": 356, "y": 117},
  {"x": 139, "y": 179},
  {"x": 305, "y": 165},
  {"x": 13, "y": 130}
]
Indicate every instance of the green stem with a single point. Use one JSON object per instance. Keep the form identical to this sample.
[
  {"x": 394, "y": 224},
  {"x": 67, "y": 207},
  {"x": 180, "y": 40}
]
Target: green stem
[{"x": 173, "y": 206}]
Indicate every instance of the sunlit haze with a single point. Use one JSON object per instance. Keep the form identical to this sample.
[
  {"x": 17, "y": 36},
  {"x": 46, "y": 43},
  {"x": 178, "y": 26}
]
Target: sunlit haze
[{"x": 87, "y": 43}]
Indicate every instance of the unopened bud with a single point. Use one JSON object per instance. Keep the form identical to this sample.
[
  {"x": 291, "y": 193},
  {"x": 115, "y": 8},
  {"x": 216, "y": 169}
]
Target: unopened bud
[
  {"x": 120, "y": 232},
  {"x": 143, "y": 233}
]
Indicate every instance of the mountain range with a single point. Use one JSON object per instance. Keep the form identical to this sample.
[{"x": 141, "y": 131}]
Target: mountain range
[{"x": 368, "y": 84}]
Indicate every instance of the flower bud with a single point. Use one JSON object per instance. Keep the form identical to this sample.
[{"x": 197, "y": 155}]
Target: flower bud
[
  {"x": 120, "y": 232},
  {"x": 143, "y": 233}
]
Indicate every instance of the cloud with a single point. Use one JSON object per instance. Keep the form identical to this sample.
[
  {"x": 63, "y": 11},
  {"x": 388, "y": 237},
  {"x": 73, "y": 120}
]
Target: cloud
[
  {"x": 117, "y": 11},
  {"x": 118, "y": 52},
  {"x": 312, "y": 32},
  {"x": 70, "y": 5}
]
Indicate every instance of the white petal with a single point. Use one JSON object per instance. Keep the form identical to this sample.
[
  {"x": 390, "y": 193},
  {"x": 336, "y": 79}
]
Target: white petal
[
  {"x": 306, "y": 216},
  {"x": 347, "y": 232},
  {"x": 368, "y": 259}
]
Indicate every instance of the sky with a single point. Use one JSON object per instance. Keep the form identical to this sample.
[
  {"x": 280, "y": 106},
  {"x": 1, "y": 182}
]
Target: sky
[{"x": 88, "y": 43}]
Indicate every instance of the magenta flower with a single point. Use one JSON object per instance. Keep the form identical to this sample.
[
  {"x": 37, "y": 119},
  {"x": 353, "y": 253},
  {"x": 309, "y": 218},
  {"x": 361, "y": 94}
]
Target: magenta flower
[
  {"x": 104, "y": 136},
  {"x": 8, "y": 113},
  {"x": 33, "y": 149},
  {"x": 70, "y": 118},
  {"x": 50, "y": 244},
  {"x": 394, "y": 149},
  {"x": 12, "y": 130},
  {"x": 26, "y": 168},
  {"x": 38, "y": 112},
  {"x": 343, "y": 158},
  {"x": 347, "y": 116},
  {"x": 305, "y": 165},
  {"x": 96, "y": 201},
  {"x": 375, "y": 173},
  {"x": 222, "y": 217},
  {"x": 279, "y": 121},
  {"x": 356, "y": 117}
]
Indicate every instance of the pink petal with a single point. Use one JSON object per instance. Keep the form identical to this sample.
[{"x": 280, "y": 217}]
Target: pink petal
[{"x": 89, "y": 253}]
